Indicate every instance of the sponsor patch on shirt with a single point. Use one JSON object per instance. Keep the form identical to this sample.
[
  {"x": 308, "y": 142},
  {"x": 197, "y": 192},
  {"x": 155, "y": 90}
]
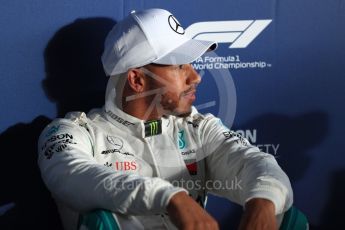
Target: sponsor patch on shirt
[
  {"x": 240, "y": 140},
  {"x": 182, "y": 143},
  {"x": 109, "y": 151},
  {"x": 57, "y": 143},
  {"x": 153, "y": 127},
  {"x": 188, "y": 152},
  {"x": 119, "y": 119},
  {"x": 192, "y": 166},
  {"x": 123, "y": 165}
]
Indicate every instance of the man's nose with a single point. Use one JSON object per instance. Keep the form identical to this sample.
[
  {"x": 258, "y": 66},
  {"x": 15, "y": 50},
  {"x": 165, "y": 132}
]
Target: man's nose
[{"x": 193, "y": 77}]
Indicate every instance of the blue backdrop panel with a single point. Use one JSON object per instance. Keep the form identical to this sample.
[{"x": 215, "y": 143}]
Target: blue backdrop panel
[{"x": 276, "y": 78}]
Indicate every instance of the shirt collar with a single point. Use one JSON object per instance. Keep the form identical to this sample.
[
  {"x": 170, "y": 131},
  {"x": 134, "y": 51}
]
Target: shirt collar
[{"x": 135, "y": 126}]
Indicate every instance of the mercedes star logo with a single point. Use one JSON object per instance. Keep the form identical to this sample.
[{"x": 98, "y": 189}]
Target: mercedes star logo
[
  {"x": 115, "y": 141},
  {"x": 175, "y": 25}
]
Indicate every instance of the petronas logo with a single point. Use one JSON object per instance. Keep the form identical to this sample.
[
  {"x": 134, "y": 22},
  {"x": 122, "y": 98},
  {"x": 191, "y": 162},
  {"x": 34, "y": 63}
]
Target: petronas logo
[
  {"x": 181, "y": 140},
  {"x": 153, "y": 128}
]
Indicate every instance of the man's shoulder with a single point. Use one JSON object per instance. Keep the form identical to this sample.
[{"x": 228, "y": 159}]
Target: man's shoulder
[
  {"x": 70, "y": 119},
  {"x": 196, "y": 117},
  {"x": 75, "y": 120},
  {"x": 78, "y": 117},
  {"x": 199, "y": 121}
]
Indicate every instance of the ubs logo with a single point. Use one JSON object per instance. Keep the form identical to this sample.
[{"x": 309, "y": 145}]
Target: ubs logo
[{"x": 175, "y": 25}]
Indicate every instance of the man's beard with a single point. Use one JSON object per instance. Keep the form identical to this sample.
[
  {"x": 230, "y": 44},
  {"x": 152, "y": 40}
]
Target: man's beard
[
  {"x": 170, "y": 105},
  {"x": 170, "y": 101},
  {"x": 185, "y": 114}
]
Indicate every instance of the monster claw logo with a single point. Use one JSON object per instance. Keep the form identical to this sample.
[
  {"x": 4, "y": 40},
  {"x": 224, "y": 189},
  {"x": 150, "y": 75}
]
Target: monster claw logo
[{"x": 153, "y": 128}]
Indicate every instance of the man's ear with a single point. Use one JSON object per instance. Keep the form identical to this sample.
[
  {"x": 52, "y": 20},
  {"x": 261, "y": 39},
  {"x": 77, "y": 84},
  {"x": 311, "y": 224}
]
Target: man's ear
[{"x": 136, "y": 80}]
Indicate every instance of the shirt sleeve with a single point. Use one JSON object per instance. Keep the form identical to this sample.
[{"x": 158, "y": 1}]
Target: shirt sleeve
[
  {"x": 73, "y": 176},
  {"x": 239, "y": 171}
]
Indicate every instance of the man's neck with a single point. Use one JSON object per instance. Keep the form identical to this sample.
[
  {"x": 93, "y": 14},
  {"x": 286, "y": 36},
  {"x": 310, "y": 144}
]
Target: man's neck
[{"x": 141, "y": 110}]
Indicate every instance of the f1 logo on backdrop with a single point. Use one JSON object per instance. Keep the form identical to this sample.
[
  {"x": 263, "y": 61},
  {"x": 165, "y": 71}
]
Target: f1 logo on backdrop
[{"x": 239, "y": 33}]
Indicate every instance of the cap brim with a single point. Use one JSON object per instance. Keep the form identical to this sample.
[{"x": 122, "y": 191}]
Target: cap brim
[{"x": 187, "y": 52}]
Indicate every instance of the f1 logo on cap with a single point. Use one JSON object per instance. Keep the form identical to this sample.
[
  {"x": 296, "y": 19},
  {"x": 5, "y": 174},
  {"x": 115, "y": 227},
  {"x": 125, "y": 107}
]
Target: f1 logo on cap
[{"x": 175, "y": 25}]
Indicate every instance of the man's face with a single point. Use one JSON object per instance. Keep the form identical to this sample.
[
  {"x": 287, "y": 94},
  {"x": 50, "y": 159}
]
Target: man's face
[{"x": 176, "y": 85}]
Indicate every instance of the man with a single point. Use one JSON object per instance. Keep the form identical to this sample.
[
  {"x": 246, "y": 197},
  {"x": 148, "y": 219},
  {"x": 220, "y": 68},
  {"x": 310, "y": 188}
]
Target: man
[{"x": 148, "y": 156}]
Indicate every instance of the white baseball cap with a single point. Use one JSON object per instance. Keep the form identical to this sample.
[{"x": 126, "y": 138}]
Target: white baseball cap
[{"x": 150, "y": 36}]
